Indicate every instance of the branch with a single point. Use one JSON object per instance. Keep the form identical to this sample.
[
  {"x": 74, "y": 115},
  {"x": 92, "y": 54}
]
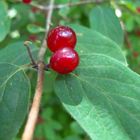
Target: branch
[
  {"x": 70, "y": 4},
  {"x": 33, "y": 114},
  {"x": 48, "y": 22}
]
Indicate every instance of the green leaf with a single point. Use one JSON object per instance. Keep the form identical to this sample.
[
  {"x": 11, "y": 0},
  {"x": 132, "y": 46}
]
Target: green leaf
[
  {"x": 90, "y": 41},
  {"x": 16, "y": 53},
  {"x": 73, "y": 137},
  {"x": 104, "y": 97},
  {"x": 32, "y": 28},
  {"x": 4, "y": 21},
  {"x": 64, "y": 11},
  {"x": 104, "y": 20},
  {"x": 76, "y": 128},
  {"x": 14, "y": 98},
  {"x": 102, "y": 94}
]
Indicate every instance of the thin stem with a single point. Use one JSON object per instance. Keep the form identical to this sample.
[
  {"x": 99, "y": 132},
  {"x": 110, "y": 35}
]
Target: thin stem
[
  {"x": 48, "y": 23},
  {"x": 33, "y": 114},
  {"x": 26, "y": 43},
  {"x": 70, "y": 4},
  {"x": 126, "y": 38}
]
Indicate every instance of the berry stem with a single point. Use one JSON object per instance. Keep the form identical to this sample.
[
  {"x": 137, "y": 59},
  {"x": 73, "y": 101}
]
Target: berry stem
[
  {"x": 69, "y": 4},
  {"x": 26, "y": 43},
  {"x": 33, "y": 114}
]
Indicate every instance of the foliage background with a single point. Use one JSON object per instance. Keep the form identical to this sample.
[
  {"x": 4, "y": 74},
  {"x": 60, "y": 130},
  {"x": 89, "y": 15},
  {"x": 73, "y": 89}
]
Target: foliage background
[{"x": 28, "y": 23}]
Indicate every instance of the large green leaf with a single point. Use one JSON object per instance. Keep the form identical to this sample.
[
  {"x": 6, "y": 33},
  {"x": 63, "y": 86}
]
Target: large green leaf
[
  {"x": 104, "y": 20},
  {"x": 16, "y": 53},
  {"x": 90, "y": 41},
  {"x": 14, "y": 98},
  {"x": 4, "y": 21},
  {"x": 103, "y": 95}
]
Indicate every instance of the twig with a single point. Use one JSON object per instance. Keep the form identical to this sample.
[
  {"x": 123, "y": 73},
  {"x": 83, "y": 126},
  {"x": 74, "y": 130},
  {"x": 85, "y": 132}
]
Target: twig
[
  {"x": 33, "y": 114},
  {"x": 26, "y": 43},
  {"x": 70, "y": 4},
  {"x": 126, "y": 38},
  {"x": 127, "y": 41},
  {"x": 48, "y": 22}
]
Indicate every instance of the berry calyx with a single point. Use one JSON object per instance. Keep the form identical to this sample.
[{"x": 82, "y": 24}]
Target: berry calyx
[
  {"x": 60, "y": 37},
  {"x": 26, "y": 1},
  {"x": 64, "y": 60}
]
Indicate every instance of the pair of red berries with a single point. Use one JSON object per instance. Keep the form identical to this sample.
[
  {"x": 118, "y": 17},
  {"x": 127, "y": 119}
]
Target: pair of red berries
[{"x": 61, "y": 41}]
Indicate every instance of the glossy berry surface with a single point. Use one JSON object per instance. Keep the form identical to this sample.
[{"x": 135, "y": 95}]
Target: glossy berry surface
[
  {"x": 26, "y": 1},
  {"x": 64, "y": 60},
  {"x": 60, "y": 37}
]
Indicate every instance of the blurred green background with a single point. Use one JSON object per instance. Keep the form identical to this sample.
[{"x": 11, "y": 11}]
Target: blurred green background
[{"x": 28, "y": 23}]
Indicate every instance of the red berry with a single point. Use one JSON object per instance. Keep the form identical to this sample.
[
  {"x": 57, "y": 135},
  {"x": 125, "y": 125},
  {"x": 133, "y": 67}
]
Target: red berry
[
  {"x": 60, "y": 37},
  {"x": 138, "y": 9},
  {"x": 40, "y": 120},
  {"x": 135, "y": 54},
  {"x": 64, "y": 60},
  {"x": 34, "y": 9},
  {"x": 26, "y": 1},
  {"x": 138, "y": 32},
  {"x": 33, "y": 37}
]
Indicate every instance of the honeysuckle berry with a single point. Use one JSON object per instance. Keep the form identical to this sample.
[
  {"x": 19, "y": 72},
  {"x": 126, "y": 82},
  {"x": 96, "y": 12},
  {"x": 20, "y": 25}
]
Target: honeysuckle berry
[
  {"x": 26, "y": 1},
  {"x": 60, "y": 37},
  {"x": 64, "y": 60},
  {"x": 138, "y": 9}
]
